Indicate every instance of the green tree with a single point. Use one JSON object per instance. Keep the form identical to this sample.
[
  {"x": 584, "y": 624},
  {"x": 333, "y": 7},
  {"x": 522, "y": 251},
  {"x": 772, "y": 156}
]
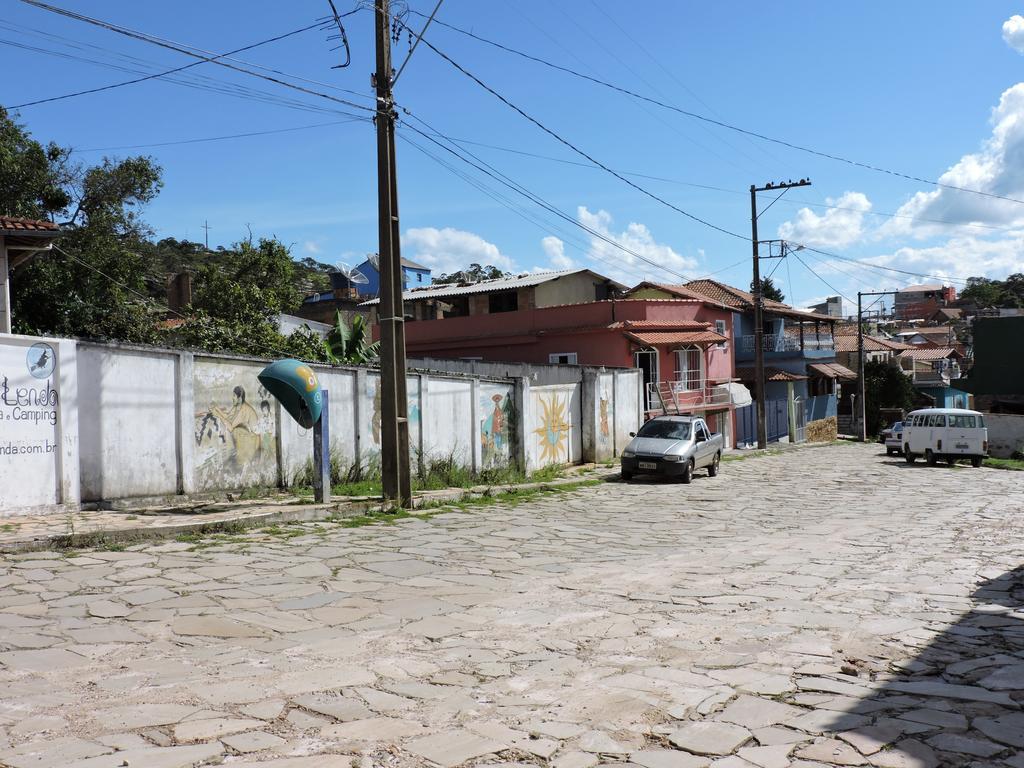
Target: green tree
[
  {"x": 985, "y": 292},
  {"x": 885, "y": 386},
  {"x": 351, "y": 343},
  {"x": 473, "y": 274},
  {"x": 769, "y": 290},
  {"x": 96, "y": 285},
  {"x": 33, "y": 178}
]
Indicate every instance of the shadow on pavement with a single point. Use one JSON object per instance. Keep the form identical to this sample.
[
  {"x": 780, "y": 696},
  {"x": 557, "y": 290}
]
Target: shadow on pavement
[{"x": 957, "y": 703}]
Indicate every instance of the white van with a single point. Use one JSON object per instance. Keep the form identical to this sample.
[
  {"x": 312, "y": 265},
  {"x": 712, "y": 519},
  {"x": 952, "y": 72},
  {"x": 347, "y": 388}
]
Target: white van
[{"x": 945, "y": 433}]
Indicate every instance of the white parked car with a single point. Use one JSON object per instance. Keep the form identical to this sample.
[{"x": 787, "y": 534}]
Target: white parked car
[{"x": 947, "y": 434}]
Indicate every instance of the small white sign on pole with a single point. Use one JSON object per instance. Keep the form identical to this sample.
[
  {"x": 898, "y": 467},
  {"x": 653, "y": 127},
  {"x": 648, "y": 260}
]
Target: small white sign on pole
[{"x": 28, "y": 425}]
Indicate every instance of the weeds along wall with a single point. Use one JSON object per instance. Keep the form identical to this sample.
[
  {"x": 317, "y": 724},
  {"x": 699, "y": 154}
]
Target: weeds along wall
[{"x": 87, "y": 422}]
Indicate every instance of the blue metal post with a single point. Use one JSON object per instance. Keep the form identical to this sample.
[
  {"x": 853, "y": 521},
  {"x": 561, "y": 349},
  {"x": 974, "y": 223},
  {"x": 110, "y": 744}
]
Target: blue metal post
[{"x": 322, "y": 453}]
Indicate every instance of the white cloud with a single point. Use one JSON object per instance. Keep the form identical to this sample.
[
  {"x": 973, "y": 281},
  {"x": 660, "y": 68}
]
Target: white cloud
[
  {"x": 1013, "y": 32},
  {"x": 997, "y": 168},
  {"x": 961, "y": 257},
  {"x": 449, "y": 250},
  {"x": 638, "y": 239},
  {"x": 835, "y": 228},
  {"x": 311, "y": 247},
  {"x": 554, "y": 249}
]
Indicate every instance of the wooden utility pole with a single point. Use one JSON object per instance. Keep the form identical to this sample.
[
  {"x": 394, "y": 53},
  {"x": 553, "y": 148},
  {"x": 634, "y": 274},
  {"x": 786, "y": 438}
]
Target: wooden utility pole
[
  {"x": 206, "y": 239},
  {"x": 394, "y": 437},
  {"x": 759, "y": 382},
  {"x": 862, "y": 431}
]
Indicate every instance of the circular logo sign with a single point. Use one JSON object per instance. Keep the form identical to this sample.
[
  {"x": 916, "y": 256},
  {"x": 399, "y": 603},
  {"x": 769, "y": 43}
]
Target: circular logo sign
[{"x": 40, "y": 360}]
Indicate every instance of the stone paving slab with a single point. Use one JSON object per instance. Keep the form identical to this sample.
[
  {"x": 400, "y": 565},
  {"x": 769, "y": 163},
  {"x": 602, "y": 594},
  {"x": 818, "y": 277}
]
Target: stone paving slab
[
  {"x": 827, "y": 607},
  {"x": 85, "y": 528}
]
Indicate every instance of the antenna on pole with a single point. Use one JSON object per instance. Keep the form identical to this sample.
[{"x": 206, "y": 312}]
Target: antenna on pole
[{"x": 340, "y": 36}]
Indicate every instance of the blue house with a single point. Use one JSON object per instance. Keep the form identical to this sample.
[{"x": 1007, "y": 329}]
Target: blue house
[
  {"x": 933, "y": 371},
  {"x": 802, "y": 377},
  {"x": 413, "y": 276}
]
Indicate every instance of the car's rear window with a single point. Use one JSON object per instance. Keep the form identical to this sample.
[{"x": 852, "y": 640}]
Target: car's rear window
[{"x": 664, "y": 428}]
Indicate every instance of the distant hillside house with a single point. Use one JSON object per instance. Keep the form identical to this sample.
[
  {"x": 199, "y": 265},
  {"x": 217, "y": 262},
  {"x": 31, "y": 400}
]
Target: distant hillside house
[
  {"x": 413, "y": 276},
  {"x": 916, "y": 302},
  {"x": 832, "y": 306}
]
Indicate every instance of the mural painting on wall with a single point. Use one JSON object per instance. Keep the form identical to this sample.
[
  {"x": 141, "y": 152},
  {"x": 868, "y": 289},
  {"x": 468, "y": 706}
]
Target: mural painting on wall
[
  {"x": 235, "y": 429},
  {"x": 604, "y": 432},
  {"x": 373, "y": 389},
  {"x": 553, "y": 432},
  {"x": 496, "y": 426}
]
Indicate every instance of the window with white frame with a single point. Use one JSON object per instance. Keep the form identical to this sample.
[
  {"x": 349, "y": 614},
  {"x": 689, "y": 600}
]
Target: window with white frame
[
  {"x": 720, "y": 328},
  {"x": 690, "y": 367},
  {"x": 562, "y": 358}
]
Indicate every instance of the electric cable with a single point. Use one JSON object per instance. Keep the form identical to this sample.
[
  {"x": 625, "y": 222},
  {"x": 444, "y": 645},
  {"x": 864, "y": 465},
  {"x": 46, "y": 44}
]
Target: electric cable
[
  {"x": 111, "y": 86},
  {"x": 572, "y": 146},
  {"x": 722, "y": 124},
  {"x": 181, "y": 49}
]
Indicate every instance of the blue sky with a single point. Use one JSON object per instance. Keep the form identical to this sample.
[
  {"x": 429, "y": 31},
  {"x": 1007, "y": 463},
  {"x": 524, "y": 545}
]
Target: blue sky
[{"x": 925, "y": 88}]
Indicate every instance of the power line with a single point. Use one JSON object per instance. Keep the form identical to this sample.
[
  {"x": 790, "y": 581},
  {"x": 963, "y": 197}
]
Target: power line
[
  {"x": 483, "y": 167},
  {"x": 164, "y": 73},
  {"x": 546, "y": 227},
  {"x": 720, "y": 123},
  {"x": 712, "y": 187},
  {"x": 181, "y": 49},
  {"x": 419, "y": 37},
  {"x": 872, "y": 265},
  {"x": 198, "y": 82},
  {"x": 536, "y": 199},
  {"x": 826, "y": 282},
  {"x": 573, "y": 147},
  {"x": 352, "y": 119}
]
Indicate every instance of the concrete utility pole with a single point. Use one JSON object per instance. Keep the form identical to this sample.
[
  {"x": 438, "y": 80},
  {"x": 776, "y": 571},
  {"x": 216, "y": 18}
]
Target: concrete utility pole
[
  {"x": 863, "y": 431},
  {"x": 759, "y": 382},
  {"x": 394, "y": 437}
]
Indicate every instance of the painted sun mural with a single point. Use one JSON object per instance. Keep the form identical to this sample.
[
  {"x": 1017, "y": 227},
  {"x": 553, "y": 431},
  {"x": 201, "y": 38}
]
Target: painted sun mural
[{"x": 553, "y": 430}]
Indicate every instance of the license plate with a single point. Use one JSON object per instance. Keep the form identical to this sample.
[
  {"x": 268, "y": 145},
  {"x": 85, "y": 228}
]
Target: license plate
[
  {"x": 648, "y": 465},
  {"x": 962, "y": 446}
]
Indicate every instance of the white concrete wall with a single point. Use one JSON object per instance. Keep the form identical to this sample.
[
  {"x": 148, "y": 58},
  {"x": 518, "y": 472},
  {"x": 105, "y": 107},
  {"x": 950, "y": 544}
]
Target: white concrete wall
[
  {"x": 571, "y": 289},
  {"x": 129, "y": 432},
  {"x": 38, "y": 424},
  {"x": 102, "y": 422},
  {"x": 1005, "y": 434}
]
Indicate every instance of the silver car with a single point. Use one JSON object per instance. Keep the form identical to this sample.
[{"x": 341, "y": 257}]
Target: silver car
[{"x": 673, "y": 446}]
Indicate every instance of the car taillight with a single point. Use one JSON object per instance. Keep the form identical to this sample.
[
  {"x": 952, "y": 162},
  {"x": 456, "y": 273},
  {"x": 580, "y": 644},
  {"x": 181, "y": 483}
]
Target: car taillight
[{"x": 984, "y": 446}]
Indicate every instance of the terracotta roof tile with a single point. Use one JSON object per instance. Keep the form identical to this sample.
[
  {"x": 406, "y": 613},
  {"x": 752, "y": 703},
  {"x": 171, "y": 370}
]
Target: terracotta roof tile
[
  {"x": 847, "y": 342},
  {"x": 740, "y": 299},
  {"x": 673, "y": 325},
  {"x": 677, "y": 337},
  {"x": 832, "y": 371},
  {"x": 770, "y": 374},
  {"x": 930, "y": 353},
  {"x": 18, "y": 224}
]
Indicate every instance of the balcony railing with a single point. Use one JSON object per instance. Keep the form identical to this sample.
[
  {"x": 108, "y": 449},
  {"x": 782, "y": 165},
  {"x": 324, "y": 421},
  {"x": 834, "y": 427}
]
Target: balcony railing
[
  {"x": 687, "y": 396},
  {"x": 934, "y": 377},
  {"x": 787, "y": 343}
]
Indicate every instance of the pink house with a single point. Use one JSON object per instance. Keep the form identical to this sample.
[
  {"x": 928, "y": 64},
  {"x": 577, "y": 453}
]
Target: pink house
[{"x": 683, "y": 346}]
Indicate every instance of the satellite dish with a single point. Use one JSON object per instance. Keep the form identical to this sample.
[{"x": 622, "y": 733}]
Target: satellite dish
[{"x": 352, "y": 274}]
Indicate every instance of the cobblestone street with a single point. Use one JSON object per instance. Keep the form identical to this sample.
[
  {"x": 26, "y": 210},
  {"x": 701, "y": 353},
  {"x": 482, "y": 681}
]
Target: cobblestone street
[{"x": 822, "y": 606}]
